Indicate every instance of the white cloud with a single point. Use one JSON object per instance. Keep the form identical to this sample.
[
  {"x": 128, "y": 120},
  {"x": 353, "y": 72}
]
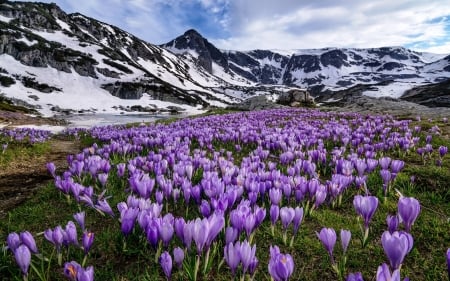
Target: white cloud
[
  {"x": 315, "y": 24},
  {"x": 281, "y": 24}
]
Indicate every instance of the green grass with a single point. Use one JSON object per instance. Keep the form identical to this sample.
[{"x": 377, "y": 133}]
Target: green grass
[
  {"x": 22, "y": 152},
  {"x": 118, "y": 258}
]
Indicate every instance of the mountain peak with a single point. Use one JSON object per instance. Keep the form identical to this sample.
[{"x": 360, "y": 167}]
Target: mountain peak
[
  {"x": 207, "y": 53},
  {"x": 192, "y": 32}
]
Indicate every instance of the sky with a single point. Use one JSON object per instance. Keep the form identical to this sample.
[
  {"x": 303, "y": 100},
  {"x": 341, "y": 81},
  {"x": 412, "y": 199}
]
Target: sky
[{"x": 421, "y": 25}]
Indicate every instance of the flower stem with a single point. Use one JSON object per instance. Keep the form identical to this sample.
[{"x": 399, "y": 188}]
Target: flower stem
[
  {"x": 197, "y": 265},
  {"x": 205, "y": 267}
]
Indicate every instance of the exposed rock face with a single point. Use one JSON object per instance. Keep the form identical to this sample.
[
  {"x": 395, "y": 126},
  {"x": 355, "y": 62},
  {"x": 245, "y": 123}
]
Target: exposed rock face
[
  {"x": 435, "y": 95},
  {"x": 129, "y": 90}
]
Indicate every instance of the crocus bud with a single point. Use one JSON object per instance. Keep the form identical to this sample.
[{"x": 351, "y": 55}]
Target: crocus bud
[
  {"x": 328, "y": 238},
  {"x": 80, "y": 218},
  {"x": 165, "y": 260},
  {"x": 13, "y": 241},
  {"x": 286, "y": 215},
  {"x": 345, "y": 239},
  {"x": 178, "y": 256},
  {"x": 51, "y": 168},
  {"x": 408, "y": 210},
  {"x": 23, "y": 258},
  {"x": 392, "y": 222},
  {"x": 87, "y": 240}
]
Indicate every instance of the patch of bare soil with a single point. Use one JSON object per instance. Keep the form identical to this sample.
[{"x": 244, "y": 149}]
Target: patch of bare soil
[{"x": 21, "y": 179}]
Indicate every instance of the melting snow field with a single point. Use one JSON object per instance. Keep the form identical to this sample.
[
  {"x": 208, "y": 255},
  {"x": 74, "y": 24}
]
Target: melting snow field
[
  {"x": 93, "y": 120},
  {"x": 393, "y": 90}
]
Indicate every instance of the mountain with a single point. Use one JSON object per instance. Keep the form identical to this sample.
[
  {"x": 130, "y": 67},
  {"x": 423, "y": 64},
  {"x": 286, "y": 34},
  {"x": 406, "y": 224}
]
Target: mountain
[
  {"x": 391, "y": 69},
  {"x": 59, "y": 62},
  {"x": 56, "y": 62}
]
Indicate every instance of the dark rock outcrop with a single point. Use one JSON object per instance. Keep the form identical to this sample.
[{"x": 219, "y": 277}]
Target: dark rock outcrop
[{"x": 435, "y": 95}]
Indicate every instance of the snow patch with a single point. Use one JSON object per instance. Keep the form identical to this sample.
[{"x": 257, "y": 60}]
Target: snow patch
[
  {"x": 394, "y": 90},
  {"x": 5, "y": 19},
  {"x": 27, "y": 42},
  {"x": 63, "y": 24}
]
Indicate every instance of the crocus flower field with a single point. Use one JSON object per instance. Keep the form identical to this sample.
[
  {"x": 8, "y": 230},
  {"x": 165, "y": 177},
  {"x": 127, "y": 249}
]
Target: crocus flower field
[{"x": 289, "y": 194}]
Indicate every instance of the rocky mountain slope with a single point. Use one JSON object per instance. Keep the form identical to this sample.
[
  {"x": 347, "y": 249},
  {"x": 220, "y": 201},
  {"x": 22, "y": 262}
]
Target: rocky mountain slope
[{"x": 59, "y": 62}]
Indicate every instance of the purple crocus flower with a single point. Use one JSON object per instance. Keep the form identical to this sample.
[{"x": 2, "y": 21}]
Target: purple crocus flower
[
  {"x": 286, "y": 215},
  {"x": 165, "y": 260},
  {"x": 121, "y": 169},
  {"x": 396, "y": 246},
  {"x": 152, "y": 233},
  {"x": 442, "y": 151},
  {"x": 384, "y": 274},
  {"x": 386, "y": 176},
  {"x": 365, "y": 206},
  {"x": 178, "y": 257},
  {"x": 298, "y": 218},
  {"x": 408, "y": 210},
  {"x": 345, "y": 239},
  {"x": 51, "y": 168},
  {"x": 281, "y": 266},
  {"x": 23, "y": 258},
  {"x": 247, "y": 254},
  {"x": 205, "y": 208},
  {"x": 392, "y": 222},
  {"x": 85, "y": 274},
  {"x": 87, "y": 241},
  {"x": 384, "y": 162},
  {"x": 102, "y": 178},
  {"x": 354, "y": 277},
  {"x": 274, "y": 213},
  {"x": 232, "y": 256},
  {"x": 13, "y": 241},
  {"x": 328, "y": 238},
  {"x": 56, "y": 236},
  {"x": 71, "y": 270},
  {"x": 165, "y": 232},
  {"x": 128, "y": 219},
  {"x": 231, "y": 234},
  {"x": 396, "y": 167},
  {"x": 275, "y": 196},
  {"x": 80, "y": 219},
  {"x": 103, "y": 207},
  {"x": 320, "y": 195},
  {"x": 71, "y": 236}
]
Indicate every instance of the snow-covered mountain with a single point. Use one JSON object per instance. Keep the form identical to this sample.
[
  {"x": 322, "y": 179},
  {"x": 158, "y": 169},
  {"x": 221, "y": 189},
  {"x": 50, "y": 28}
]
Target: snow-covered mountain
[
  {"x": 395, "y": 69},
  {"x": 64, "y": 62},
  {"x": 59, "y": 62}
]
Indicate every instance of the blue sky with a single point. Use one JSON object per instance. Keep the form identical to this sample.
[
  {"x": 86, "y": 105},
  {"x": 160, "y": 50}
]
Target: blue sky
[{"x": 422, "y": 25}]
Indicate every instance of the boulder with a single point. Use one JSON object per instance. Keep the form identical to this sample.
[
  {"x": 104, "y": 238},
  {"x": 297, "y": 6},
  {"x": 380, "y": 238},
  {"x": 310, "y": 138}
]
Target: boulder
[{"x": 295, "y": 98}]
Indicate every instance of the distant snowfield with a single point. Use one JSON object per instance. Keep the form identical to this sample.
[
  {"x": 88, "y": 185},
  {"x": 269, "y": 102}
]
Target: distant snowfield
[
  {"x": 95, "y": 120},
  {"x": 394, "y": 90}
]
